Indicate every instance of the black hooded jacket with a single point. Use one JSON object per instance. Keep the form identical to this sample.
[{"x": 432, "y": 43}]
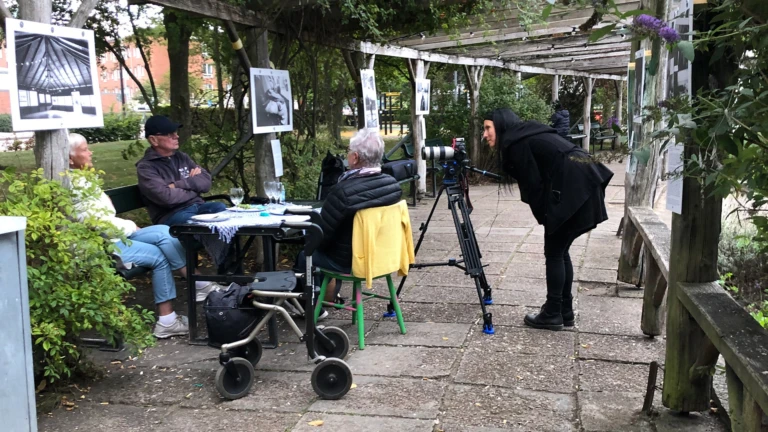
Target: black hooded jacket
[
  {"x": 561, "y": 122},
  {"x": 561, "y": 183}
]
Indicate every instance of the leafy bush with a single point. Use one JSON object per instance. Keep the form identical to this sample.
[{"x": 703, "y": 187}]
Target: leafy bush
[
  {"x": 5, "y": 123},
  {"x": 72, "y": 283},
  {"x": 505, "y": 91},
  {"x": 117, "y": 127}
]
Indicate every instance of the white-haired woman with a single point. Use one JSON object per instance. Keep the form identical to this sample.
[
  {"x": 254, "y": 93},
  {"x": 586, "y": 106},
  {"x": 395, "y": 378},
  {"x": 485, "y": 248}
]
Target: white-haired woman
[
  {"x": 152, "y": 247},
  {"x": 362, "y": 186}
]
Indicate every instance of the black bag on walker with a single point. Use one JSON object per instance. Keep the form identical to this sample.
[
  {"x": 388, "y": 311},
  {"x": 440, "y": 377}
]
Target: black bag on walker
[{"x": 229, "y": 315}]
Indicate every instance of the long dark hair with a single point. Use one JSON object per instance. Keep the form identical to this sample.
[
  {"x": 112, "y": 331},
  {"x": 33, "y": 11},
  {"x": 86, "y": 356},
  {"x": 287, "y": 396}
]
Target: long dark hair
[{"x": 502, "y": 118}]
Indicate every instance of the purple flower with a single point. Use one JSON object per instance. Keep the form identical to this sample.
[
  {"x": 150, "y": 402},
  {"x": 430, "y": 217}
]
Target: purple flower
[
  {"x": 649, "y": 22},
  {"x": 669, "y": 34},
  {"x": 612, "y": 121}
]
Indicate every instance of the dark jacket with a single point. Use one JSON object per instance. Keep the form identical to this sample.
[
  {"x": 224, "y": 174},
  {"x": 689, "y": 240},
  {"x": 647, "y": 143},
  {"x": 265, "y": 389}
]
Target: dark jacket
[
  {"x": 561, "y": 122},
  {"x": 561, "y": 183},
  {"x": 157, "y": 172},
  {"x": 346, "y": 198}
]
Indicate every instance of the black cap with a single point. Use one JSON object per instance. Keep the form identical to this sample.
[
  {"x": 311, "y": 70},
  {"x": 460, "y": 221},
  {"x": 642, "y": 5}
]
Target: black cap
[{"x": 160, "y": 125}]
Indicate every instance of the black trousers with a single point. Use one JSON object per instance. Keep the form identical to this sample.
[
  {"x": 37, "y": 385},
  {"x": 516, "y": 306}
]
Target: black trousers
[{"x": 559, "y": 270}]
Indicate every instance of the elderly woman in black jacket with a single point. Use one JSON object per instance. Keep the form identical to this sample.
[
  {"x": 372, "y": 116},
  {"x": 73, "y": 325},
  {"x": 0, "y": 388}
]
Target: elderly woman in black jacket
[
  {"x": 565, "y": 189},
  {"x": 362, "y": 186}
]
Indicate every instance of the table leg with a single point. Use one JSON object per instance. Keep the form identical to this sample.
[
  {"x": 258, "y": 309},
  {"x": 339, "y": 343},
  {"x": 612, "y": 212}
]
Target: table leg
[
  {"x": 191, "y": 292},
  {"x": 269, "y": 265}
]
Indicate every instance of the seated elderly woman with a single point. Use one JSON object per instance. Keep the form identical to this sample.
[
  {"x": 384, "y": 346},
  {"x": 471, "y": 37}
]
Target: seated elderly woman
[
  {"x": 362, "y": 186},
  {"x": 152, "y": 247}
]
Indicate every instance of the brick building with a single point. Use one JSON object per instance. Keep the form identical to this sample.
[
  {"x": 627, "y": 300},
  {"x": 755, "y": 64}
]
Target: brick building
[{"x": 109, "y": 77}]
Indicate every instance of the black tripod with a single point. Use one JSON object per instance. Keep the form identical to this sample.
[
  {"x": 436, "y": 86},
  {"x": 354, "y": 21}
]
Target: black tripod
[{"x": 461, "y": 207}]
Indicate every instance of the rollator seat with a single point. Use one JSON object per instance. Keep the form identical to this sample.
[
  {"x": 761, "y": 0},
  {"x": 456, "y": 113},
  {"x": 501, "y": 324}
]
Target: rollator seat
[{"x": 277, "y": 281}]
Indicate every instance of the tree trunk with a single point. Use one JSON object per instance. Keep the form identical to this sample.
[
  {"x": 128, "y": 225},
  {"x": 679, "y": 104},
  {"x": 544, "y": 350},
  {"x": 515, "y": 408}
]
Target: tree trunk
[
  {"x": 178, "y": 30},
  {"x": 258, "y": 52},
  {"x": 354, "y": 62},
  {"x": 219, "y": 70},
  {"x": 474, "y": 76}
]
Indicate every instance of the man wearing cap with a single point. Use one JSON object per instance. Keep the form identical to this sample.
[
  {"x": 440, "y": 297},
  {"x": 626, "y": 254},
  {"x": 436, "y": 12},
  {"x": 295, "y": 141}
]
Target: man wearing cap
[{"x": 169, "y": 180}]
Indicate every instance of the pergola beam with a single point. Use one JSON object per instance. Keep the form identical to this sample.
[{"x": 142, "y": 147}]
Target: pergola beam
[
  {"x": 209, "y": 9},
  {"x": 598, "y": 56},
  {"x": 403, "y": 52}
]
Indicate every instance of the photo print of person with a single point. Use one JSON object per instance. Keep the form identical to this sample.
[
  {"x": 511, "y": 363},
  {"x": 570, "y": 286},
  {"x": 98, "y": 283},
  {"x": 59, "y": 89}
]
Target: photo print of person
[
  {"x": 422, "y": 96},
  {"x": 52, "y": 75},
  {"x": 271, "y": 101},
  {"x": 370, "y": 99}
]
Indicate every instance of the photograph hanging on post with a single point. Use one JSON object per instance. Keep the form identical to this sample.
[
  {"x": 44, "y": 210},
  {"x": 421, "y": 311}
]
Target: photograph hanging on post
[
  {"x": 422, "y": 96},
  {"x": 370, "y": 99},
  {"x": 271, "y": 101},
  {"x": 52, "y": 75}
]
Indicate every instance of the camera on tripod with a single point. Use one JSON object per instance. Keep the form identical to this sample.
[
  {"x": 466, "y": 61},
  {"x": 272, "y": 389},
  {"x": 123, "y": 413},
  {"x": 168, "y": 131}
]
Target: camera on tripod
[{"x": 452, "y": 159}]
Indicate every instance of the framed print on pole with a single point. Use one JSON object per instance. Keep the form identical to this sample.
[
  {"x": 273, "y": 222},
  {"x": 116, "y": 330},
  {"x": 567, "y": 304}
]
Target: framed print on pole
[
  {"x": 370, "y": 99},
  {"x": 52, "y": 76},
  {"x": 271, "y": 101}
]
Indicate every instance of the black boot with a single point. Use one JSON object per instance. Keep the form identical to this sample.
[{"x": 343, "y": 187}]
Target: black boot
[
  {"x": 569, "y": 318},
  {"x": 549, "y": 318}
]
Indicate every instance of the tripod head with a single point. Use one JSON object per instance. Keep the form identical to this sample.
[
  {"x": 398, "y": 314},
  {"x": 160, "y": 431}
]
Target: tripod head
[{"x": 455, "y": 162}]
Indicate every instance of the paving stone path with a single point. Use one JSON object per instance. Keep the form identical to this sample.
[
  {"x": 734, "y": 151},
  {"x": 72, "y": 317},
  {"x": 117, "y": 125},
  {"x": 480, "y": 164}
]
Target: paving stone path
[{"x": 444, "y": 374}]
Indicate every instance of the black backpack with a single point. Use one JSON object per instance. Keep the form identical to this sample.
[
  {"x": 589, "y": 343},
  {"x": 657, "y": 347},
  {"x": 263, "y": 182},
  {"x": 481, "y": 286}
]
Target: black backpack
[
  {"x": 229, "y": 315},
  {"x": 331, "y": 168}
]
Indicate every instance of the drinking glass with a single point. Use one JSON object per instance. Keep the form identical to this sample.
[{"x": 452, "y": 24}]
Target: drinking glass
[
  {"x": 269, "y": 190},
  {"x": 280, "y": 193},
  {"x": 236, "y": 195}
]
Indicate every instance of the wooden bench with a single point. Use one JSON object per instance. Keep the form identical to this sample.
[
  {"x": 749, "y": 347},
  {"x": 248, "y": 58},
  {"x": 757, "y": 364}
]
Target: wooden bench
[{"x": 647, "y": 228}]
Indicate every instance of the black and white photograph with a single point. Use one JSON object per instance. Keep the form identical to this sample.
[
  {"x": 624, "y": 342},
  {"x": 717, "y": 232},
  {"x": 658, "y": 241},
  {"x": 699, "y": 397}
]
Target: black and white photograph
[
  {"x": 639, "y": 89},
  {"x": 52, "y": 76},
  {"x": 370, "y": 99},
  {"x": 271, "y": 101},
  {"x": 422, "y": 96}
]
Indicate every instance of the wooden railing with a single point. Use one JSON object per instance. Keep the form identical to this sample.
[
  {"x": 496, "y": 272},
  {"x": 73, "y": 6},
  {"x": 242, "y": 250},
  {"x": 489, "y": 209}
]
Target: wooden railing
[{"x": 741, "y": 341}]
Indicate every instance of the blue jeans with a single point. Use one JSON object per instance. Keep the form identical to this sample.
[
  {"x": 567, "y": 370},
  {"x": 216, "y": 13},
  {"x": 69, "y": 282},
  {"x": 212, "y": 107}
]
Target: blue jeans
[
  {"x": 153, "y": 247},
  {"x": 183, "y": 215}
]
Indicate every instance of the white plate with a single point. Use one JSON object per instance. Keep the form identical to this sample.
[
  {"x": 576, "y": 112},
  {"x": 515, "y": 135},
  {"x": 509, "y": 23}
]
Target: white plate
[
  {"x": 252, "y": 209},
  {"x": 212, "y": 217}
]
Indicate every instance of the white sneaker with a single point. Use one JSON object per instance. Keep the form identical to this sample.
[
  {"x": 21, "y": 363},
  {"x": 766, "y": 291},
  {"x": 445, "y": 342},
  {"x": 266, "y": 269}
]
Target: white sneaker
[
  {"x": 180, "y": 327},
  {"x": 323, "y": 315},
  {"x": 202, "y": 293}
]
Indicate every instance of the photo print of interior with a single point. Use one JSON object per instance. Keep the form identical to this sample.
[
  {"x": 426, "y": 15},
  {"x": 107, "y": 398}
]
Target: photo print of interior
[{"x": 54, "y": 79}]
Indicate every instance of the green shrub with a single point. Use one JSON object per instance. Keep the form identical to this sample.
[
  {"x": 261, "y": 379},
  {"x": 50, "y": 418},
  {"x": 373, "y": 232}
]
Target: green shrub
[
  {"x": 117, "y": 127},
  {"x": 5, "y": 123},
  {"x": 72, "y": 283}
]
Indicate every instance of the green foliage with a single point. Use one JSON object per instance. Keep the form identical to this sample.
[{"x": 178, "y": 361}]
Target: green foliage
[
  {"x": 5, "y": 123},
  {"x": 502, "y": 90},
  {"x": 117, "y": 127},
  {"x": 72, "y": 283}
]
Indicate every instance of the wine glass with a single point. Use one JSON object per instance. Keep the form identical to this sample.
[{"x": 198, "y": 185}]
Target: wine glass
[
  {"x": 236, "y": 195},
  {"x": 269, "y": 187}
]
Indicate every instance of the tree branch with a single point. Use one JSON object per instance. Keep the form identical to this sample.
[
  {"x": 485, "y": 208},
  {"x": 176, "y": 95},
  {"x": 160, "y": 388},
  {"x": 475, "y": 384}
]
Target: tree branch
[
  {"x": 121, "y": 61},
  {"x": 81, "y": 15},
  {"x": 144, "y": 58}
]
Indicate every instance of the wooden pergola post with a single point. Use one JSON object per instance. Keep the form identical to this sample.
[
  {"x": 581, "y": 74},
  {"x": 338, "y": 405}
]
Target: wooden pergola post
[
  {"x": 619, "y": 105},
  {"x": 417, "y": 69},
  {"x": 555, "y": 88},
  {"x": 474, "y": 76},
  {"x": 588, "y": 85}
]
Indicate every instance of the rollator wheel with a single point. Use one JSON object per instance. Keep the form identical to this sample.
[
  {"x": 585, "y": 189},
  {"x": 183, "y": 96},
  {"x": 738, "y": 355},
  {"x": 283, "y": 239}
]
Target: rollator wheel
[
  {"x": 332, "y": 379},
  {"x": 229, "y": 386},
  {"x": 339, "y": 338},
  {"x": 251, "y": 352}
]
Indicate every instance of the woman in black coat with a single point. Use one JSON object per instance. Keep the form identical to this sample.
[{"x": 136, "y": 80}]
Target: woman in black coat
[{"x": 565, "y": 189}]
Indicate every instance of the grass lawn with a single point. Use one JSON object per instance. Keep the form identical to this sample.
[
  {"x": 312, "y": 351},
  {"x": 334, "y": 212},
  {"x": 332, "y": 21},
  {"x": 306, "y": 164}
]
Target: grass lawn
[
  {"x": 118, "y": 171},
  {"x": 106, "y": 157}
]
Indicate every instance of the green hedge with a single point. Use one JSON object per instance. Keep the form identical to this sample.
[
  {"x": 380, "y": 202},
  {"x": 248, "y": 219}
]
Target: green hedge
[
  {"x": 117, "y": 127},
  {"x": 5, "y": 123}
]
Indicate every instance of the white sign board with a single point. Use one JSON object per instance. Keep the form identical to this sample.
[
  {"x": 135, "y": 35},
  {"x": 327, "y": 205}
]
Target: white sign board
[
  {"x": 53, "y": 78},
  {"x": 422, "y": 96},
  {"x": 271, "y": 101},
  {"x": 370, "y": 99},
  {"x": 675, "y": 177},
  {"x": 277, "y": 155}
]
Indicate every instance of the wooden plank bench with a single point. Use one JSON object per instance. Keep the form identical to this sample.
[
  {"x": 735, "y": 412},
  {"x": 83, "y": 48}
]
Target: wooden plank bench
[{"x": 656, "y": 236}]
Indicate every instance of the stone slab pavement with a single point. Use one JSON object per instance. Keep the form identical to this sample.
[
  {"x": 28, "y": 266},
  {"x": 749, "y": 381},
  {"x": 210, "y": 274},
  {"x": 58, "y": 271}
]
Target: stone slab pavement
[{"x": 444, "y": 374}]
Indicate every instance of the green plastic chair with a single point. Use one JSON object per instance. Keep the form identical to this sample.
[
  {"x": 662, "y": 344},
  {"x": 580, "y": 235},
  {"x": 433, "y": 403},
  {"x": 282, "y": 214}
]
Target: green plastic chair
[{"x": 359, "y": 296}]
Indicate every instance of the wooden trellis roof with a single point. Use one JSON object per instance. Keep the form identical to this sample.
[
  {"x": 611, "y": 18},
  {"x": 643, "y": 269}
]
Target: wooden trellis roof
[{"x": 558, "y": 47}]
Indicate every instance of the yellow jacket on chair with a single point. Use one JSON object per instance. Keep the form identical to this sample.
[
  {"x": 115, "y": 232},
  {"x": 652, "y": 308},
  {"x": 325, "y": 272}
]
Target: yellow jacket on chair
[{"x": 382, "y": 242}]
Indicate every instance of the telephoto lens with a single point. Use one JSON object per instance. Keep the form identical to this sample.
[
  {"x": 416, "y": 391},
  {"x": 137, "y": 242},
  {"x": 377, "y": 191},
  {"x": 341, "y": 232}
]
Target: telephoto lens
[{"x": 437, "y": 153}]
